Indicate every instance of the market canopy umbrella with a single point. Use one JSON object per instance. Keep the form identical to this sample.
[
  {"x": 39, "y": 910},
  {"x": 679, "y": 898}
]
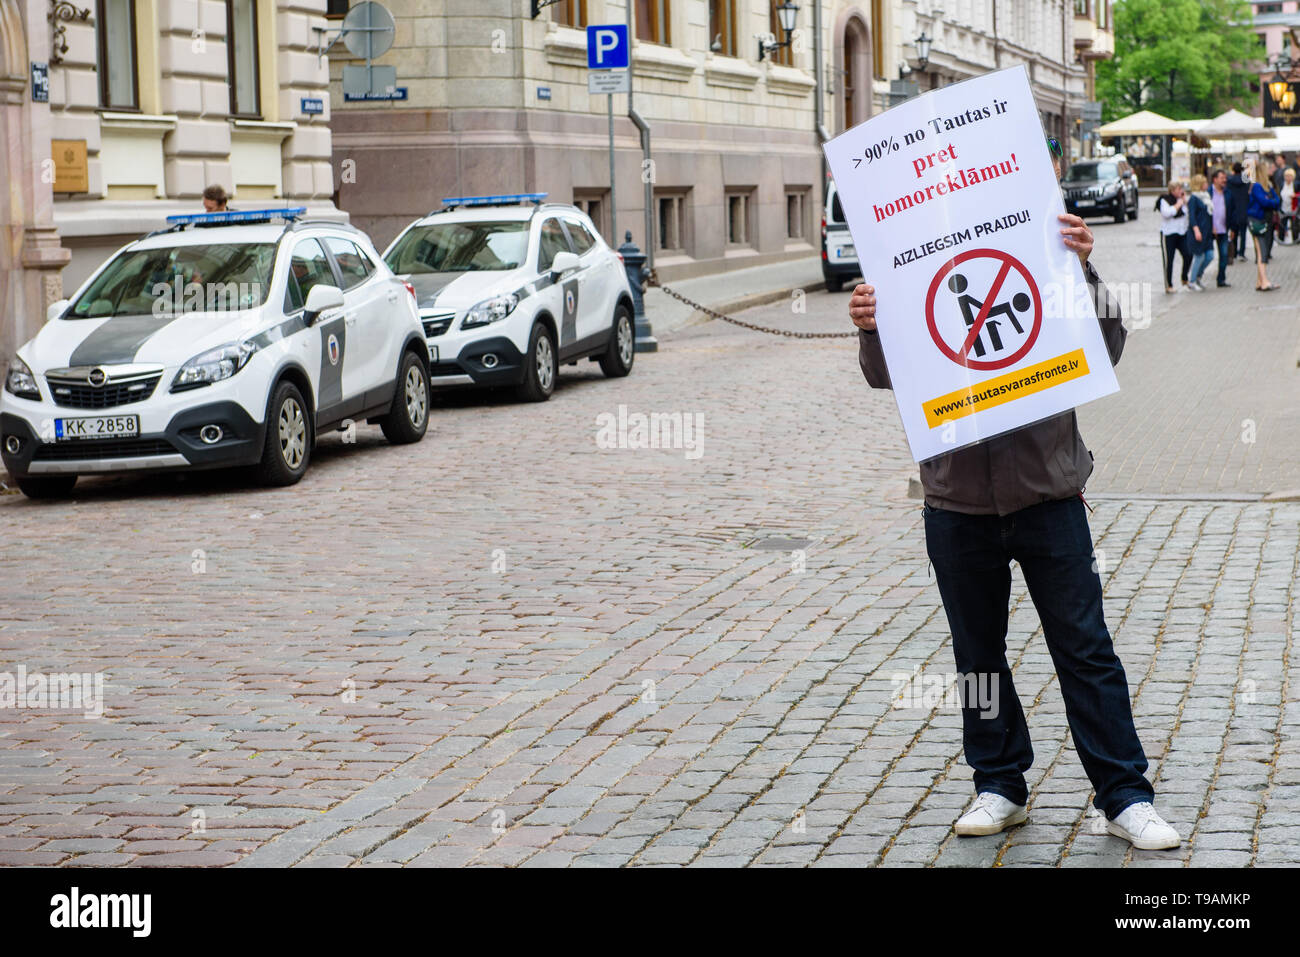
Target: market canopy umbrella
[
  {"x": 1145, "y": 123},
  {"x": 1236, "y": 125}
]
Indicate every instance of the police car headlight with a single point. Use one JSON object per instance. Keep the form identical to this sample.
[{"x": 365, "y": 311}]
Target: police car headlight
[
  {"x": 490, "y": 310},
  {"x": 213, "y": 365},
  {"x": 20, "y": 381}
]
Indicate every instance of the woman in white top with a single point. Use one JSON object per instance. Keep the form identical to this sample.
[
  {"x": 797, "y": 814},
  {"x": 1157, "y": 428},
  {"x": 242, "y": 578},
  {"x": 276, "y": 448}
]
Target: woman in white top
[
  {"x": 1286, "y": 235},
  {"x": 1172, "y": 208}
]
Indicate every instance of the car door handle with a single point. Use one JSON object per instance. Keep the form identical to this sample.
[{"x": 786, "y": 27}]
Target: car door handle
[
  {"x": 392, "y": 296},
  {"x": 350, "y": 320}
]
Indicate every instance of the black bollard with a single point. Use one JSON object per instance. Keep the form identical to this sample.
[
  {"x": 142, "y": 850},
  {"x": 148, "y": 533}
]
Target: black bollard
[{"x": 634, "y": 263}]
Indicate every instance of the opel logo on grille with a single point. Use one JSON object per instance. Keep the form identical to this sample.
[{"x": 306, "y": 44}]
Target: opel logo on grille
[{"x": 97, "y": 377}]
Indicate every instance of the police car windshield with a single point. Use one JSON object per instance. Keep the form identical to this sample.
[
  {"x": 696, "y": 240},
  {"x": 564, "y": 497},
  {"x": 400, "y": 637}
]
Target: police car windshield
[
  {"x": 221, "y": 277},
  {"x": 460, "y": 247}
]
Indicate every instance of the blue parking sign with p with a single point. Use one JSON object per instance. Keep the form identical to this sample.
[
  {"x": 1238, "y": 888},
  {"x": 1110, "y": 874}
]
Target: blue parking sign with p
[{"x": 607, "y": 47}]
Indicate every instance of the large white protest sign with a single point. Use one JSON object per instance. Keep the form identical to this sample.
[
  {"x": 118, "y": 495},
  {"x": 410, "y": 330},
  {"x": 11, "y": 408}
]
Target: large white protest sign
[{"x": 983, "y": 313}]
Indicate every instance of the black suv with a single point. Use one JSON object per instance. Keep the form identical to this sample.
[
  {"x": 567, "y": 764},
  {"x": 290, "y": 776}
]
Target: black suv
[{"x": 1101, "y": 187}]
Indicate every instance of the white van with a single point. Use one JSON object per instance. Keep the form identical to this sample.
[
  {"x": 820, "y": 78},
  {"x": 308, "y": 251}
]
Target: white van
[{"x": 839, "y": 257}]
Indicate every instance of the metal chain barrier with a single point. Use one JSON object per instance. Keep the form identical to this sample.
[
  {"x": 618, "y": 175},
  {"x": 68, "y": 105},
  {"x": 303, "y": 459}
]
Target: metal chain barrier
[{"x": 653, "y": 280}]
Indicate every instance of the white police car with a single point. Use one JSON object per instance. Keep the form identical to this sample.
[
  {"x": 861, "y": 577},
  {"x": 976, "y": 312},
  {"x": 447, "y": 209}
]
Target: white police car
[
  {"x": 227, "y": 339},
  {"x": 509, "y": 287}
]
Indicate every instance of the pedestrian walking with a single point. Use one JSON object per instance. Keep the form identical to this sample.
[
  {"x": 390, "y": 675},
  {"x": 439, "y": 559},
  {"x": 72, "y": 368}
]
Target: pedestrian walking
[
  {"x": 1264, "y": 202},
  {"x": 1018, "y": 497},
  {"x": 1200, "y": 231},
  {"x": 1275, "y": 175},
  {"x": 1219, "y": 219},
  {"x": 1290, "y": 200},
  {"x": 1172, "y": 207},
  {"x": 1238, "y": 201}
]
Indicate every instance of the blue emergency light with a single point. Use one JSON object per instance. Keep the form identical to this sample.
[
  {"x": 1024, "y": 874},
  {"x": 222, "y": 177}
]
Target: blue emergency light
[
  {"x": 236, "y": 216},
  {"x": 507, "y": 200}
]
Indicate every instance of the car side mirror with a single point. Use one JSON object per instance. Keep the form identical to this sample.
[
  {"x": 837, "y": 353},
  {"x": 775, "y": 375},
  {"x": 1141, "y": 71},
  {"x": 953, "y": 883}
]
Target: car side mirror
[
  {"x": 321, "y": 298},
  {"x": 56, "y": 309},
  {"x": 563, "y": 262}
]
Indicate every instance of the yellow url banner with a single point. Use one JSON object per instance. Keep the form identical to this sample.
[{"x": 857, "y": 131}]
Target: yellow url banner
[{"x": 1005, "y": 388}]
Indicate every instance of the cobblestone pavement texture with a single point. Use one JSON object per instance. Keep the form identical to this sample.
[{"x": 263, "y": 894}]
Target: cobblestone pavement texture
[{"x": 509, "y": 646}]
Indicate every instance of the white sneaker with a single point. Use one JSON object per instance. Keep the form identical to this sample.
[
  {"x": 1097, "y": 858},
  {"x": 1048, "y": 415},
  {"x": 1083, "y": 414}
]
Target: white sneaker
[
  {"x": 1196, "y": 286},
  {"x": 1141, "y": 826},
  {"x": 989, "y": 813}
]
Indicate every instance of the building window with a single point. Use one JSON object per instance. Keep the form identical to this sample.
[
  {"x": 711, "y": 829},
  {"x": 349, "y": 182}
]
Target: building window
[
  {"x": 119, "y": 87},
  {"x": 877, "y": 43},
  {"x": 780, "y": 55},
  {"x": 796, "y": 214},
  {"x": 337, "y": 8},
  {"x": 241, "y": 52},
  {"x": 571, "y": 13},
  {"x": 1081, "y": 8},
  {"x": 595, "y": 203},
  {"x": 1103, "y": 14},
  {"x": 722, "y": 27},
  {"x": 738, "y": 227},
  {"x": 652, "y": 18},
  {"x": 670, "y": 210}
]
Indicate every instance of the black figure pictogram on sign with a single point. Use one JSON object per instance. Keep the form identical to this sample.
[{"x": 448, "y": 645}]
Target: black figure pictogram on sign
[
  {"x": 958, "y": 284},
  {"x": 967, "y": 327}
]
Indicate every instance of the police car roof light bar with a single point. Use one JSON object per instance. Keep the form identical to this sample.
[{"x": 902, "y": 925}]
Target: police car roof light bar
[
  {"x": 236, "y": 217},
  {"x": 452, "y": 202}
]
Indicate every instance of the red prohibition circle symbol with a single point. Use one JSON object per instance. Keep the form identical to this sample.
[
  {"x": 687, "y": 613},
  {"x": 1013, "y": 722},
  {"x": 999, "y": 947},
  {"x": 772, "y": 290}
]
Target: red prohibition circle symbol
[{"x": 961, "y": 355}]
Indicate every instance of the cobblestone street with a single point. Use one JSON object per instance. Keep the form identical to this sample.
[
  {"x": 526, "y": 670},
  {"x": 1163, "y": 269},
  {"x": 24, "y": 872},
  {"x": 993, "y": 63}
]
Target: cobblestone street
[{"x": 508, "y": 645}]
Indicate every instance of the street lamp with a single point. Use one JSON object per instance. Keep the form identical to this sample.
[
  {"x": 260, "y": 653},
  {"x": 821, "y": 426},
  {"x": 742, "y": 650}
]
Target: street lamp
[
  {"x": 786, "y": 14},
  {"x": 923, "y": 50},
  {"x": 1278, "y": 87}
]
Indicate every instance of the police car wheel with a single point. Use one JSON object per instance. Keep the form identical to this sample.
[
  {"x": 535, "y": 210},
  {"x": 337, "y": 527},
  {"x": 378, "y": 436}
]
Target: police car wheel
[
  {"x": 540, "y": 367},
  {"x": 409, "y": 417},
  {"x": 53, "y": 487},
  {"x": 617, "y": 359},
  {"x": 287, "y": 448}
]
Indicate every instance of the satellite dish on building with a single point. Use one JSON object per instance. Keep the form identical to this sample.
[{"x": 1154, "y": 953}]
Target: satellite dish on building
[{"x": 368, "y": 30}]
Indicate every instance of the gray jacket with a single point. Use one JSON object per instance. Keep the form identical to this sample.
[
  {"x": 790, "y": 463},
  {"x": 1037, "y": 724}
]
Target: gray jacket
[{"x": 1037, "y": 463}]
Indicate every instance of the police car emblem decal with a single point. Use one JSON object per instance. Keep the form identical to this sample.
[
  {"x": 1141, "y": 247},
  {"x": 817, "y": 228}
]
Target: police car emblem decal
[
  {"x": 333, "y": 345},
  {"x": 568, "y": 300}
]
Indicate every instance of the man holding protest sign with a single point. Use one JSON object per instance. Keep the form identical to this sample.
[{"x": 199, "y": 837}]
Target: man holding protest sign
[{"x": 1002, "y": 462}]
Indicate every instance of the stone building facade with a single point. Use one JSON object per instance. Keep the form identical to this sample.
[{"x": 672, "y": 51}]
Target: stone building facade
[
  {"x": 31, "y": 258},
  {"x": 1056, "y": 40},
  {"x": 496, "y": 102},
  {"x": 170, "y": 96},
  {"x": 149, "y": 102}
]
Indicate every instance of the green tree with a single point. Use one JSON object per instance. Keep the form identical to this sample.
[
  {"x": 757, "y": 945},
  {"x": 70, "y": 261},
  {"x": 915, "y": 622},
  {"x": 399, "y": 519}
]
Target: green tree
[{"x": 1181, "y": 58}]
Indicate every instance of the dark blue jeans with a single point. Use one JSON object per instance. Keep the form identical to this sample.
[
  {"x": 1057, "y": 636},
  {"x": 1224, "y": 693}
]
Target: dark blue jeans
[
  {"x": 1221, "y": 243},
  {"x": 972, "y": 557}
]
